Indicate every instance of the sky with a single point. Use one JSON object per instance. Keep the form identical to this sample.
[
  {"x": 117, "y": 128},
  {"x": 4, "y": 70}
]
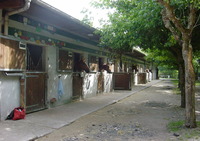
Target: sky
[{"x": 74, "y": 8}]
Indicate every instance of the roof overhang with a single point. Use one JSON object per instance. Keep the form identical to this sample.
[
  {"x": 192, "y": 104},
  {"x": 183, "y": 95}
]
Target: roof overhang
[
  {"x": 54, "y": 16},
  {"x": 137, "y": 54},
  {"x": 41, "y": 11}
]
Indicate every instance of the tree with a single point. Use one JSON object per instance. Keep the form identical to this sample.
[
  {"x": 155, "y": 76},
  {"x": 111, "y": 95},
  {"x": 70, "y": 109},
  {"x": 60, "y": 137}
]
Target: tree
[
  {"x": 171, "y": 57},
  {"x": 138, "y": 23},
  {"x": 182, "y": 29}
]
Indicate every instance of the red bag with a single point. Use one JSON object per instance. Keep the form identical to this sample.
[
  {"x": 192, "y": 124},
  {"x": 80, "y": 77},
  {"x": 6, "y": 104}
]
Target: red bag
[{"x": 19, "y": 113}]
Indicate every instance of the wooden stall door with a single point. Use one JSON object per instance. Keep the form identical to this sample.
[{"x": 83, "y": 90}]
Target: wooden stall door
[
  {"x": 35, "y": 91},
  {"x": 122, "y": 81},
  {"x": 77, "y": 87},
  {"x": 142, "y": 78},
  {"x": 100, "y": 86}
]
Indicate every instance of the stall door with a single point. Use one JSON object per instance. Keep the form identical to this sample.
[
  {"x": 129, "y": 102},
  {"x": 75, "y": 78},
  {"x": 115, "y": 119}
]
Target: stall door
[
  {"x": 100, "y": 86},
  {"x": 35, "y": 91},
  {"x": 35, "y": 79},
  {"x": 77, "y": 79},
  {"x": 122, "y": 81},
  {"x": 77, "y": 87}
]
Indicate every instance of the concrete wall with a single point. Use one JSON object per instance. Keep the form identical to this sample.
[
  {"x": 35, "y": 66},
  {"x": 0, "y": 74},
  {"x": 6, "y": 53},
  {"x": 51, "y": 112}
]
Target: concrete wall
[
  {"x": 108, "y": 82},
  {"x": 90, "y": 85},
  {"x": 53, "y": 79},
  {"x": 91, "y": 81},
  {"x": 9, "y": 94}
]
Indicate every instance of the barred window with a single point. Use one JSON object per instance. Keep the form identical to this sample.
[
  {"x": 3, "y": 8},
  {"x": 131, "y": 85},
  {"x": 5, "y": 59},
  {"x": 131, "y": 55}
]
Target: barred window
[{"x": 65, "y": 60}]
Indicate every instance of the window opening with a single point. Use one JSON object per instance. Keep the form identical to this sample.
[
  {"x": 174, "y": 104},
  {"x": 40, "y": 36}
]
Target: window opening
[{"x": 34, "y": 58}]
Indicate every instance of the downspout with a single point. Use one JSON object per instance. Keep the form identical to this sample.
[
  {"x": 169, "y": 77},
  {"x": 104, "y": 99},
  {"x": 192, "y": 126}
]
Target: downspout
[
  {"x": 1, "y": 21},
  {"x": 26, "y": 7}
]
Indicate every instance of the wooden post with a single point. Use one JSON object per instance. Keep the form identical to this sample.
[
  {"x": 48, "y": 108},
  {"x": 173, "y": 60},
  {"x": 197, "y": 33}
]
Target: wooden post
[{"x": 22, "y": 93}]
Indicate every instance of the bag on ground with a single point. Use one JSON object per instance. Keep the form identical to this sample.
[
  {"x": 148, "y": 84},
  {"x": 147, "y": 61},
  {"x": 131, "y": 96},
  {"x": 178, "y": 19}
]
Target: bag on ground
[
  {"x": 19, "y": 113},
  {"x": 16, "y": 114}
]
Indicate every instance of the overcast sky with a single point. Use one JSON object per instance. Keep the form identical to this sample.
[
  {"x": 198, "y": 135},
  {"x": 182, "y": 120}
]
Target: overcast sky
[{"x": 74, "y": 8}]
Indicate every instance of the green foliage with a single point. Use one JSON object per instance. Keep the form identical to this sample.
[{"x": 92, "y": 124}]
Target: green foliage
[
  {"x": 139, "y": 23},
  {"x": 133, "y": 23},
  {"x": 167, "y": 70},
  {"x": 162, "y": 57},
  {"x": 87, "y": 19}
]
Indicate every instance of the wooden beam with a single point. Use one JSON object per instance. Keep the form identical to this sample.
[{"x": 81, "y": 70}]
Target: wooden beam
[{"x": 4, "y": 4}]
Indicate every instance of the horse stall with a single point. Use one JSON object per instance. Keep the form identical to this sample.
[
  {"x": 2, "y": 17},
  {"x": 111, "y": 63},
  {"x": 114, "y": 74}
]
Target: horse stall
[
  {"x": 142, "y": 78},
  {"x": 122, "y": 81},
  {"x": 92, "y": 79},
  {"x": 12, "y": 63}
]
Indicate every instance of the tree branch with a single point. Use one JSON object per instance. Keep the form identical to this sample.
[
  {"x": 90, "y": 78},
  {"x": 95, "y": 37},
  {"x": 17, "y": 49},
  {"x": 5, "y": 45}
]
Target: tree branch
[
  {"x": 172, "y": 17},
  {"x": 191, "y": 19},
  {"x": 196, "y": 24},
  {"x": 169, "y": 26}
]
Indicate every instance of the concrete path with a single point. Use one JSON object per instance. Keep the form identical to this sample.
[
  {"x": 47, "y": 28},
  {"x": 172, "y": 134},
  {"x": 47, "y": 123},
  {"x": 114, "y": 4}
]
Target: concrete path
[{"x": 44, "y": 122}]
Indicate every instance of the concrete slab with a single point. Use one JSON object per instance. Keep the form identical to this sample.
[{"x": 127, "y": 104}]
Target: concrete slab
[
  {"x": 21, "y": 131},
  {"x": 41, "y": 123}
]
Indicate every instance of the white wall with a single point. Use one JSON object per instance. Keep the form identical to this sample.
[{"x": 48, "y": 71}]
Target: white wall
[
  {"x": 108, "y": 82},
  {"x": 135, "y": 77},
  {"x": 90, "y": 82},
  {"x": 9, "y": 94},
  {"x": 53, "y": 78}
]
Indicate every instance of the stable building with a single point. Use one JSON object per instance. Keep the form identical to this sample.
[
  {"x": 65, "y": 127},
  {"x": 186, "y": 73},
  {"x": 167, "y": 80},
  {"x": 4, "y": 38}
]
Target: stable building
[{"x": 48, "y": 58}]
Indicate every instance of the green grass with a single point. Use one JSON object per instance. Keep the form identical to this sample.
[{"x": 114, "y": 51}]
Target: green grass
[
  {"x": 185, "y": 133},
  {"x": 175, "y": 82},
  {"x": 176, "y": 90},
  {"x": 175, "y": 126},
  {"x": 197, "y": 83}
]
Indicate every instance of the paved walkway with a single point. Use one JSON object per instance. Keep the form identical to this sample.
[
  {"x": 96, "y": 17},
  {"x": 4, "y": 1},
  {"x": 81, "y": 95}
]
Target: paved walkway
[{"x": 44, "y": 122}]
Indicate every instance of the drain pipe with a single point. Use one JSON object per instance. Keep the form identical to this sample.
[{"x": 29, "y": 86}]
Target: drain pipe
[
  {"x": 1, "y": 21},
  {"x": 26, "y": 7}
]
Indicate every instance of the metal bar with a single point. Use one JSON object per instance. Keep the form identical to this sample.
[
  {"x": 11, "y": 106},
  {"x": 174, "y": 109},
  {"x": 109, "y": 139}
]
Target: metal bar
[
  {"x": 32, "y": 106},
  {"x": 13, "y": 74},
  {"x": 11, "y": 70},
  {"x": 28, "y": 76}
]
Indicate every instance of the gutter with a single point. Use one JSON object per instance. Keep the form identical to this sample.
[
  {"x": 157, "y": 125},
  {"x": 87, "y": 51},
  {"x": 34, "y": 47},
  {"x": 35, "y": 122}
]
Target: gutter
[{"x": 26, "y": 7}]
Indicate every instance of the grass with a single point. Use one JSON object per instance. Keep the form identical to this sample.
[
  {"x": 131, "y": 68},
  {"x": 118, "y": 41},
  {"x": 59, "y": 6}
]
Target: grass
[
  {"x": 175, "y": 82},
  {"x": 197, "y": 83},
  {"x": 185, "y": 133},
  {"x": 175, "y": 126},
  {"x": 176, "y": 90}
]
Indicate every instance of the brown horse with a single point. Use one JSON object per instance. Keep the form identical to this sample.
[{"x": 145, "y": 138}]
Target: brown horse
[
  {"x": 105, "y": 67},
  {"x": 81, "y": 66}
]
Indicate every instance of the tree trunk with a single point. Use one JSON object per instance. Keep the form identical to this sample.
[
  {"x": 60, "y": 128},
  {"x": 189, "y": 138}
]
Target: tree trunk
[
  {"x": 182, "y": 84},
  {"x": 157, "y": 70},
  {"x": 190, "y": 120},
  {"x": 176, "y": 51},
  {"x": 181, "y": 77}
]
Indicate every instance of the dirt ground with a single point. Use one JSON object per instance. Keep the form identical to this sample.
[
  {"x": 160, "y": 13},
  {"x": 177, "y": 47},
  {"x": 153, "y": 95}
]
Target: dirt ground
[{"x": 141, "y": 117}]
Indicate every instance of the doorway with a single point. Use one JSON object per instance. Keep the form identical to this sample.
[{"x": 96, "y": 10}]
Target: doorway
[
  {"x": 77, "y": 79},
  {"x": 35, "y": 80}
]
